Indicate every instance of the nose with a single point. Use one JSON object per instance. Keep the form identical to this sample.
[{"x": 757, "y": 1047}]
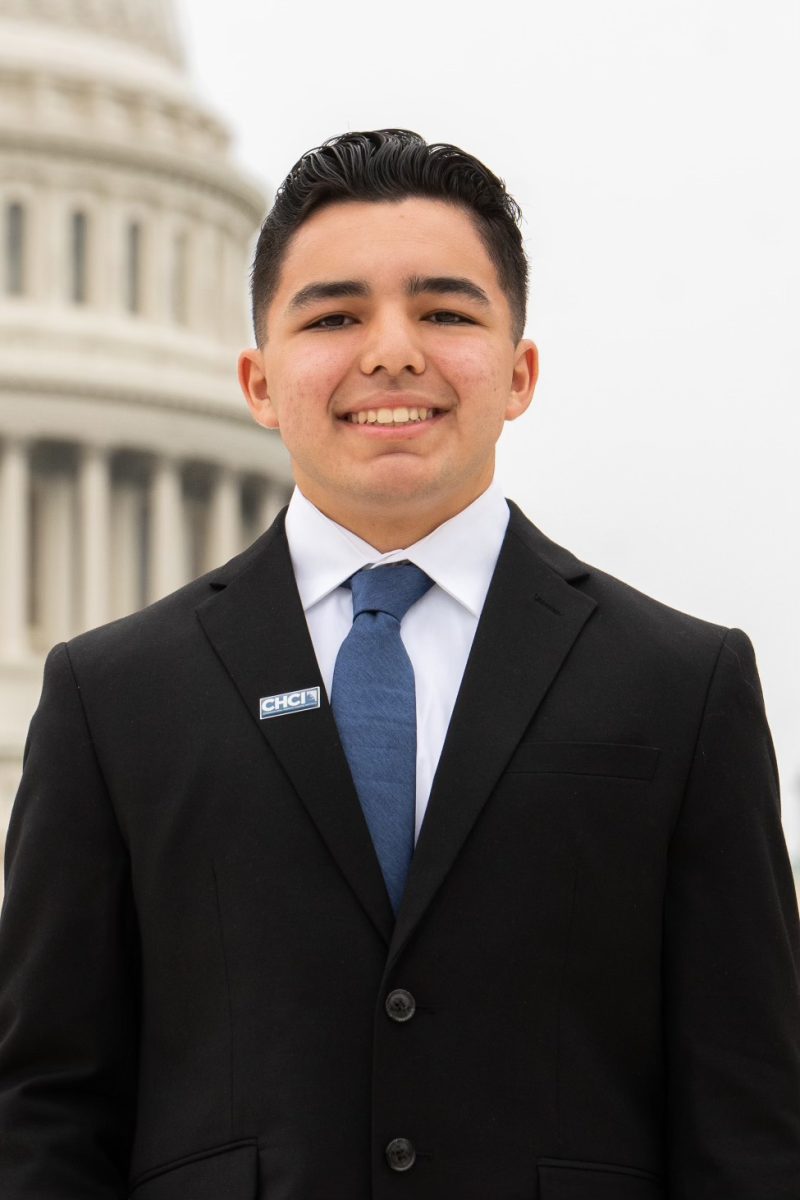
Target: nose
[{"x": 393, "y": 345}]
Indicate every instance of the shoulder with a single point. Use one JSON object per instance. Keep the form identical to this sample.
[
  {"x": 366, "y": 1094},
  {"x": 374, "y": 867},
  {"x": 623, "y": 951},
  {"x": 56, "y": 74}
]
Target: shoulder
[{"x": 634, "y": 621}]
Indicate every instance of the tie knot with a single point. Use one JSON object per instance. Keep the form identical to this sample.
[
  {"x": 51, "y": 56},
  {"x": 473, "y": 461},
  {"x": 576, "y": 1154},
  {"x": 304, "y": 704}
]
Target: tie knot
[{"x": 389, "y": 589}]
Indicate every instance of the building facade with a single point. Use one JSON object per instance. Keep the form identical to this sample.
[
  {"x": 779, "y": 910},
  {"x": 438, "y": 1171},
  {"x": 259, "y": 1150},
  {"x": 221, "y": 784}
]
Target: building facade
[{"x": 128, "y": 460}]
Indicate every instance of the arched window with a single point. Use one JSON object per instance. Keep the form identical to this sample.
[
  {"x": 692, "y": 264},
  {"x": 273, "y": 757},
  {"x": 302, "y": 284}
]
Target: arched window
[
  {"x": 79, "y": 265},
  {"x": 178, "y": 289},
  {"x": 133, "y": 271},
  {"x": 15, "y": 249}
]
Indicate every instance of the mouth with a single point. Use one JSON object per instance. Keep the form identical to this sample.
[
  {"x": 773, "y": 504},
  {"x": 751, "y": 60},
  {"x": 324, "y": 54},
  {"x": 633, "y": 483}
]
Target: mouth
[{"x": 401, "y": 415}]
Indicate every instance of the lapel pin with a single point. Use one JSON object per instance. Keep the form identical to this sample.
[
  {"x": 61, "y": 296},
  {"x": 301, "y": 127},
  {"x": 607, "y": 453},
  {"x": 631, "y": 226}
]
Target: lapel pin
[{"x": 288, "y": 702}]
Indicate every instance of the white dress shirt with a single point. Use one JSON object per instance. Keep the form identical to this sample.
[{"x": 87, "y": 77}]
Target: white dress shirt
[{"x": 437, "y": 631}]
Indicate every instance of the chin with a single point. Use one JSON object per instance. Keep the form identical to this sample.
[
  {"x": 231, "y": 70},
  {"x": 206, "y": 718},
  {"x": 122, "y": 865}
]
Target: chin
[{"x": 399, "y": 488}]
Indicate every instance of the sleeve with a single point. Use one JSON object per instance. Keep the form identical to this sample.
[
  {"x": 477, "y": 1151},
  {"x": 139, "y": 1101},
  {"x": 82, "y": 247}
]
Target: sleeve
[
  {"x": 68, "y": 968},
  {"x": 732, "y": 959}
]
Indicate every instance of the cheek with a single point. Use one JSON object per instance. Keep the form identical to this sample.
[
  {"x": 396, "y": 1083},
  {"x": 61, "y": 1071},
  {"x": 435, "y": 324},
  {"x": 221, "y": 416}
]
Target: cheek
[
  {"x": 472, "y": 373},
  {"x": 303, "y": 388},
  {"x": 320, "y": 367}
]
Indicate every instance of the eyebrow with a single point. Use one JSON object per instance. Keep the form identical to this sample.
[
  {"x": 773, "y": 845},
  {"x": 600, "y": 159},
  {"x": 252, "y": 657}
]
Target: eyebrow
[
  {"x": 337, "y": 289},
  {"x": 416, "y": 285},
  {"x": 454, "y": 285}
]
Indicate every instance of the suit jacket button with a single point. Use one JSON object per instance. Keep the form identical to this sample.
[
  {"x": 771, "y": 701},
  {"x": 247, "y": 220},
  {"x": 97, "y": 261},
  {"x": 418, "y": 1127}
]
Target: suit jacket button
[
  {"x": 400, "y": 1005},
  {"x": 400, "y": 1154}
]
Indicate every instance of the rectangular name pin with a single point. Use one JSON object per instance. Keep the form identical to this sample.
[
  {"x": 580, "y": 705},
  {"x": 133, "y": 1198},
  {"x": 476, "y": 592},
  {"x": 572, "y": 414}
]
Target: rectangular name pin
[{"x": 288, "y": 702}]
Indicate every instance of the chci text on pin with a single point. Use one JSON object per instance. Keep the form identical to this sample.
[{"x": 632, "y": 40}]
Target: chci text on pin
[{"x": 288, "y": 702}]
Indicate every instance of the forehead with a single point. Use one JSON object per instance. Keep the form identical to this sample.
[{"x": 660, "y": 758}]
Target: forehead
[{"x": 382, "y": 241}]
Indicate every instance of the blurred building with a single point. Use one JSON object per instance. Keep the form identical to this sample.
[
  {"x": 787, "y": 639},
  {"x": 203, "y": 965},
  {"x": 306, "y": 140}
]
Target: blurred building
[{"x": 128, "y": 460}]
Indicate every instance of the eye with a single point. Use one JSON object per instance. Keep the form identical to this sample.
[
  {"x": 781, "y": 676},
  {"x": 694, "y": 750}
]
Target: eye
[
  {"x": 331, "y": 321},
  {"x": 445, "y": 317}
]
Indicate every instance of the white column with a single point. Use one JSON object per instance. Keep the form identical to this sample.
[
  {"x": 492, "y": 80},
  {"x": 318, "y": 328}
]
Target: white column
[
  {"x": 14, "y": 537},
  {"x": 38, "y": 246},
  {"x": 127, "y": 517},
  {"x": 156, "y": 268},
  {"x": 273, "y": 497},
  {"x": 233, "y": 320},
  {"x": 56, "y": 557},
  {"x": 234, "y": 287},
  {"x": 53, "y": 249},
  {"x": 95, "y": 535},
  {"x": 225, "y": 518},
  {"x": 194, "y": 276},
  {"x": 115, "y": 258},
  {"x": 100, "y": 248},
  {"x": 167, "y": 562},
  {"x": 202, "y": 272}
]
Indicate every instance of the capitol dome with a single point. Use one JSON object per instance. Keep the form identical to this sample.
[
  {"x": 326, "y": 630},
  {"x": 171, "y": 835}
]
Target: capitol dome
[
  {"x": 128, "y": 459},
  {"x": 150, "y": 24}
]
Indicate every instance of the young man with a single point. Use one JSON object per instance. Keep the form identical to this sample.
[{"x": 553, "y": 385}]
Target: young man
[{"x": 405, "y": 854}]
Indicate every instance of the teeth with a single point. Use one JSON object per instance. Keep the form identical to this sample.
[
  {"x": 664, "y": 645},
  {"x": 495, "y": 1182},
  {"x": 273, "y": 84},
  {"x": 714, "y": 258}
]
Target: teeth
[{"x": 390, "y": 416}]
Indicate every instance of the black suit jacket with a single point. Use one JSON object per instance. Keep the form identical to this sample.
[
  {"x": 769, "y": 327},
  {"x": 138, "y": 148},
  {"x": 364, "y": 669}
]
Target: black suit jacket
[{"x": 599, "y": 932}]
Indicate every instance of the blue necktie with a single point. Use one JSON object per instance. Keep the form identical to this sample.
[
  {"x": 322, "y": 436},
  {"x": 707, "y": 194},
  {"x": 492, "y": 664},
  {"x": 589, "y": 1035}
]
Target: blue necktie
[{"x": 373, "y": 701}]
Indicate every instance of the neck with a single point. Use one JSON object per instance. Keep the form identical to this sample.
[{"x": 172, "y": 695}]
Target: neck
[{"x": 396, "y": 528}]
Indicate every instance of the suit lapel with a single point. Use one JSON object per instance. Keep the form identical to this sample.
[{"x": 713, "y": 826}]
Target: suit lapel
[
  {"x": 255, "y": 623},
  {"x": 531, "y": 618}
]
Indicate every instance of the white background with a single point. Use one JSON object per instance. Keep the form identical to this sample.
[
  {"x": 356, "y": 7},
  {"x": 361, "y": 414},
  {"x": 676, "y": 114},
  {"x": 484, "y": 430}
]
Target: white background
[{"x": 654, "y": 147}]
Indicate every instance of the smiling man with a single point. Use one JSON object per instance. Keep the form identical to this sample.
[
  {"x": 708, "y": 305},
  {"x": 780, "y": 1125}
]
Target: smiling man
[{"x": 461, "y": 877}]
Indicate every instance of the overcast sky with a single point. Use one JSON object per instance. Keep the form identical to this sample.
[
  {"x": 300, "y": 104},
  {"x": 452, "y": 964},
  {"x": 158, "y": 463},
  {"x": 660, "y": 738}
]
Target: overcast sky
[{"x": 653, "y": 145}]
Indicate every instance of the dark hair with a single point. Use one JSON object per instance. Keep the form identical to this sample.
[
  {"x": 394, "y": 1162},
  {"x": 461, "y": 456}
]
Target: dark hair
[{"x": 385, "y": 165}]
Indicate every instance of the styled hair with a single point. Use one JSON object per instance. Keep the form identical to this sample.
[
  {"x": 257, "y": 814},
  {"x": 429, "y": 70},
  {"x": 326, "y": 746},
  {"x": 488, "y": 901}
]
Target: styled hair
[{"x": 387, "y": 165}]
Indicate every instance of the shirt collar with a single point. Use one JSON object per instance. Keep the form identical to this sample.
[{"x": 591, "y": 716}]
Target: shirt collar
[{"x": 459, "y": 555}]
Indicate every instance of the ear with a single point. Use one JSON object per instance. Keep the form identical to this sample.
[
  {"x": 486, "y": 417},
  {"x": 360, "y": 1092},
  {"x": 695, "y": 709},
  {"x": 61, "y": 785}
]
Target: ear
[
  {"x": 253, "y": 382},
  {"x": 523, "y": 379}
]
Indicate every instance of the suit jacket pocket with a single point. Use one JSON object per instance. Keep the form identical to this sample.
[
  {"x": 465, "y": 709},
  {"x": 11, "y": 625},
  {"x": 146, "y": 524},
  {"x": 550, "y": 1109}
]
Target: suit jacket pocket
[
  {"x": 585, "y": 758},
  {"x": 227, "y": 1171},
  {"x": 562, "y": 1180}
]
